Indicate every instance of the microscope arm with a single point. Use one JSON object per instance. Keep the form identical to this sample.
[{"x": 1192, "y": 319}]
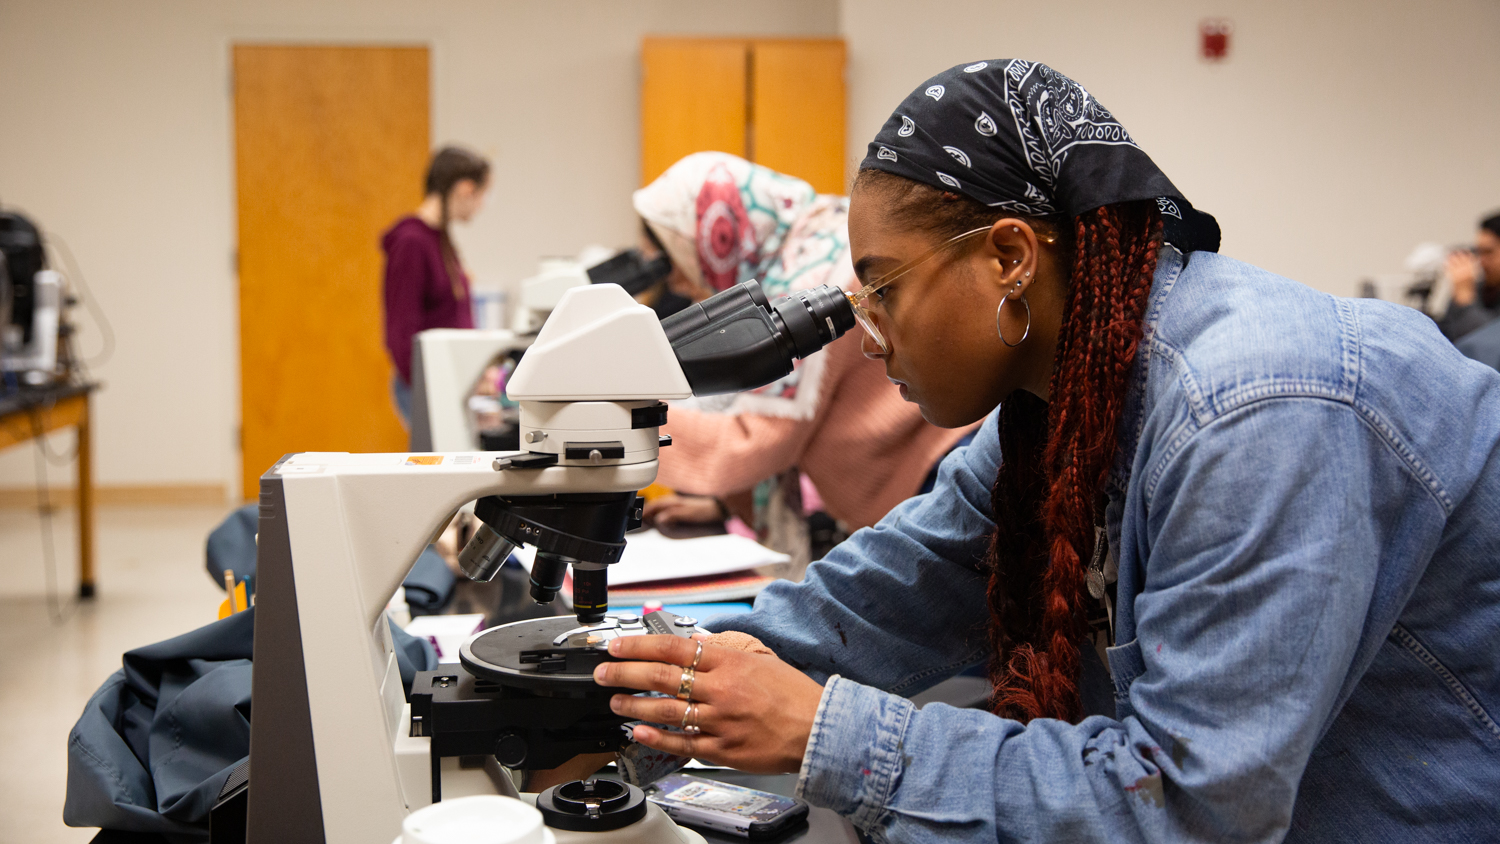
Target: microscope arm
[{"x": 374, "y": 513}]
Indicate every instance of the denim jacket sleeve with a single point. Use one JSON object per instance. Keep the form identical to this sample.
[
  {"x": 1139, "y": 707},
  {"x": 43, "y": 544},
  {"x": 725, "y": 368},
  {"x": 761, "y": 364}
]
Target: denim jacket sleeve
[
  {"x": 1254, "y": 595},
  {"x": 900, "y": 605}
]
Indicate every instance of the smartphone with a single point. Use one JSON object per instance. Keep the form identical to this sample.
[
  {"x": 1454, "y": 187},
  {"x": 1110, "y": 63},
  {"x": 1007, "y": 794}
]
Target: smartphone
[{"x": 745, "y": 812}]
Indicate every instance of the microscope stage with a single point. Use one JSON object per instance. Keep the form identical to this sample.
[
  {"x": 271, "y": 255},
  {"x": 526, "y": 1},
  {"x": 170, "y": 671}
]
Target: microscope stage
[{"x": 557, "y": 654}]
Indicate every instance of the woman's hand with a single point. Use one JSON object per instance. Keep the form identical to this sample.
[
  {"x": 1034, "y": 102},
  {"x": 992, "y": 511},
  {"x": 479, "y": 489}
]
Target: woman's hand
[
  {"x": 754, "y": 711},
  {"x": 683, "y": 509}
]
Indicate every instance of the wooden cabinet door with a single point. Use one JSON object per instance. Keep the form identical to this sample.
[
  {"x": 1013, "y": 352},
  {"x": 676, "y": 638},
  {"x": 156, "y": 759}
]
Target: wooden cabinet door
[
  {"x": 693, "y": 99},
  {"x": 331, "y": 144},
  {"x": 797, "y": 110},
  {"x": 778, "y": 102}
]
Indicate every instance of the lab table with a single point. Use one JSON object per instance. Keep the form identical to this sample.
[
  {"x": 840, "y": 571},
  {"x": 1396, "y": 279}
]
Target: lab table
[{"x": 33, "y": 412}]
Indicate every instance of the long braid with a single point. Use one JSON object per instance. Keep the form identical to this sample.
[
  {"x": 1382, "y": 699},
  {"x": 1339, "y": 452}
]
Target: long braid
[
  {"x": 1056, "y": 455},
  {"x": 1114, "y": 259}
]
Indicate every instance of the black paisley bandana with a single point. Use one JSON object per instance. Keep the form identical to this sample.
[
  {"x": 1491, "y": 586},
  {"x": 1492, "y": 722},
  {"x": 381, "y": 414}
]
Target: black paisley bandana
[{"x": 1019, "y": 136}]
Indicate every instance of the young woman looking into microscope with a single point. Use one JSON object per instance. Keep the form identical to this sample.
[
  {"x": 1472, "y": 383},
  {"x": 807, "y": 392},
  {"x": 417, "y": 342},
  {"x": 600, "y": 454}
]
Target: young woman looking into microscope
[{"x": 1272, "y": 513}]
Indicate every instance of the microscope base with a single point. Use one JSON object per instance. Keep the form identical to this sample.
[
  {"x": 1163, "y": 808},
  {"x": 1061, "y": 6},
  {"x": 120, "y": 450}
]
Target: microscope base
[{"x": 654, "y": 828}]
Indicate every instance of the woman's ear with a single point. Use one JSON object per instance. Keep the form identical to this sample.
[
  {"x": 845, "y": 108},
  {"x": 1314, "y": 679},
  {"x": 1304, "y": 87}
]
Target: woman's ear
[{"x": 1013, "y": 244}]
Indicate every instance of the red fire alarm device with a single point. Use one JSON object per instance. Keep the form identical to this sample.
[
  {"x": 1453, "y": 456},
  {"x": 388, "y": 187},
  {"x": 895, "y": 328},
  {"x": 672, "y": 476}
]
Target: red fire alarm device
[{"x": 1213, "y": 39}]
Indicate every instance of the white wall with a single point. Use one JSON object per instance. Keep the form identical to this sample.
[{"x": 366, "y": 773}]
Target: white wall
[
  {"x": 1337, "y": 136},
  {"x": 115, "y": 133}
]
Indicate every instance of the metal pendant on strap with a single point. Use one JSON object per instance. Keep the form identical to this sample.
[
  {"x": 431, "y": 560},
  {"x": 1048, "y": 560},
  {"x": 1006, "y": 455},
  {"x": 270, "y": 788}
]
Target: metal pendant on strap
[{"x": 1096, "y": 563}]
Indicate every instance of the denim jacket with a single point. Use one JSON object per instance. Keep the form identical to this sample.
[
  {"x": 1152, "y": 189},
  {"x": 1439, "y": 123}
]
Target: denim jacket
[{"x": 1305, "y": 509}]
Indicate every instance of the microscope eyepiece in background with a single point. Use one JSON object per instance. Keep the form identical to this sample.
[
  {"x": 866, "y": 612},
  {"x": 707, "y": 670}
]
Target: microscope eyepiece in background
[
  {"x": 632, "y": 271},
  {"x": 738, "y": 340}
]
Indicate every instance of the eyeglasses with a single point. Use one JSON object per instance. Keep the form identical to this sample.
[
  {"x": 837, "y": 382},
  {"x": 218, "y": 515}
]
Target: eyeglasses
[{"x": 862, "y": 313}]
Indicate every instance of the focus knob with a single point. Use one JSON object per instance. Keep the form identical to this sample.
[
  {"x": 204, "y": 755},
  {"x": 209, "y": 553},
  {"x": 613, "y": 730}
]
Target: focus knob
[{"x": 510, "y": 750}]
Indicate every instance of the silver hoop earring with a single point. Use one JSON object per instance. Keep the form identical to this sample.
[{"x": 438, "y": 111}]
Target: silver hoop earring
[{"x": 1024, "y": 334}]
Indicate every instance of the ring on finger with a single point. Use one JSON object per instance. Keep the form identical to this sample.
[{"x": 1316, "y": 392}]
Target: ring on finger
[
  {"x": 685, "y": 686},
  {"x": 697, "y": 656},
  {"x": 691, "y": 714}
]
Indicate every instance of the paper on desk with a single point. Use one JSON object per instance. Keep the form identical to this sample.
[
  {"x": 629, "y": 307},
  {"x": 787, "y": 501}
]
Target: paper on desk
[
  {"x": 649, "y": 556},
  {"x": 447, "y": 633}
]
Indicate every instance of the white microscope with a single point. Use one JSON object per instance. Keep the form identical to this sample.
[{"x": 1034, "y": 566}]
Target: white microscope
[
  {"x": 447, "y": 362},
  {"x": 337, "y": 754}
]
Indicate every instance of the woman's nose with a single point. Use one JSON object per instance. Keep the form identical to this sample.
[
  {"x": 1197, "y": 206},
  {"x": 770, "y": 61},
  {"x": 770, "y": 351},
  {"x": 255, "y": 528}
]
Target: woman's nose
[{"x": 870, "y": 348}]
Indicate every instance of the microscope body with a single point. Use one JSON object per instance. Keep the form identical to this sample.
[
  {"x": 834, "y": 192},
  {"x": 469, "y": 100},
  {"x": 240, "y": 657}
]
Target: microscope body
[
  {"x": 334, "y": 756},
  {"x": 339, "y": 531}
]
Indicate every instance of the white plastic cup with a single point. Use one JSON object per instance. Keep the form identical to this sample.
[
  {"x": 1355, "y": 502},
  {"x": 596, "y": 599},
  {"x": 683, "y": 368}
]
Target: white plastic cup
[{"x": 482, "y": 819}]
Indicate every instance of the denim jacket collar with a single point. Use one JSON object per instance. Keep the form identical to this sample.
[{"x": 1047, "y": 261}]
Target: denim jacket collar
[{"x": 1169, "y": 265}]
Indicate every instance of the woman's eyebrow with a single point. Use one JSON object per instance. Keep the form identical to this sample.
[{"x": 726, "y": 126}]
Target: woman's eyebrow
[{"x": 862, "y": 266}]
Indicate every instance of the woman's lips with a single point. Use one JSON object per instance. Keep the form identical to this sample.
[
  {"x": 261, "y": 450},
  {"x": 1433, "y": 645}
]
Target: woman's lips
[{"x": 900, "y": 385}]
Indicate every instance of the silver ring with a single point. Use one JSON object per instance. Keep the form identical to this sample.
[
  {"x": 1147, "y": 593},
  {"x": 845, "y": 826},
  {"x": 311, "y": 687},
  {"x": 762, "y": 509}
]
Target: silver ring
[
  {"x": 691, "y": 712},
  {"x": 685, "y": 686},
  {"x": 697, "y": 656}
]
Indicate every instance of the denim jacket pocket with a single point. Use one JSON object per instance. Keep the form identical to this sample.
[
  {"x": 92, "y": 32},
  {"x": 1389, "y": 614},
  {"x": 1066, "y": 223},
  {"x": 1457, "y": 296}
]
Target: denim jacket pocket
[
  {"x": 1404, "y": 638},
  {"x": 1125, "y": 664}
]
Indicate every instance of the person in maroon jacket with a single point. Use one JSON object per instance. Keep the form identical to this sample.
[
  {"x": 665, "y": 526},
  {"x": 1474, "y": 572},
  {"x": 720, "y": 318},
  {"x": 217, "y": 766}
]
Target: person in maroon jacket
[{"x": 425, "y": 284}]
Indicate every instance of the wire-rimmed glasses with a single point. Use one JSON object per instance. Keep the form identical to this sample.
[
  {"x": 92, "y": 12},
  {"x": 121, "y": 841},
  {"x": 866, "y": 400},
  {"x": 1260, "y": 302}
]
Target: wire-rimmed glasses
[{"x": 862, "y": 313}]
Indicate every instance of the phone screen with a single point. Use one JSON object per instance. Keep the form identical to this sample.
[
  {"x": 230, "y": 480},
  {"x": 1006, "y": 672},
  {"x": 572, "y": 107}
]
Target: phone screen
[{"x": 754, "y": 806}]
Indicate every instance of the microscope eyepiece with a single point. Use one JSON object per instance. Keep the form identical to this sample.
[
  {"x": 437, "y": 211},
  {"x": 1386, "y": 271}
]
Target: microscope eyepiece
[
  {"x": 632, "y": 271},
  {"x": 814, "y": 318},
  {"x": 738, "y": 340}
]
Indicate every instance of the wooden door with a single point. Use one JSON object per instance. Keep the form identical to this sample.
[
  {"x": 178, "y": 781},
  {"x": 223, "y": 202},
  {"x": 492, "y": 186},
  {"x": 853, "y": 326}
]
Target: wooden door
[
  {"x": 331, "y": 144},
  {"x": 797, "y": 109},
  {"x": 693, "y": 99}
]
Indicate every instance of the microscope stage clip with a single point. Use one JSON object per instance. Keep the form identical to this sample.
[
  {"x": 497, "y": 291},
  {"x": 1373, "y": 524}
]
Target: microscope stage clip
[{"x": 598, "y": 635}]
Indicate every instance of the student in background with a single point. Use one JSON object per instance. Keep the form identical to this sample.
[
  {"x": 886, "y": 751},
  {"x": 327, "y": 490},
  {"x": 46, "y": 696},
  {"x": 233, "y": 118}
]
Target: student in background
[
  {"x": 425, "y": 283},
  {"x": 723, "y": 220},
  {"x": 1475, "y": 274}
]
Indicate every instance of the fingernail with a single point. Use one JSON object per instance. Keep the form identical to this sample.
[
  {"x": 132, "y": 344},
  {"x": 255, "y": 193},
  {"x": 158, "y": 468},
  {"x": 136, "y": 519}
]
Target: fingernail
[
  {"x": 599, "y": 673},
  {"x": 616, "y": 702},
  {"x": 614, "y": 647}
]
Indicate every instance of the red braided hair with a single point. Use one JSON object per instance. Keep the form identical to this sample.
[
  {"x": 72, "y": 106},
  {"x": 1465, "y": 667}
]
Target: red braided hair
[{"x": 1057, "y": 454}]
